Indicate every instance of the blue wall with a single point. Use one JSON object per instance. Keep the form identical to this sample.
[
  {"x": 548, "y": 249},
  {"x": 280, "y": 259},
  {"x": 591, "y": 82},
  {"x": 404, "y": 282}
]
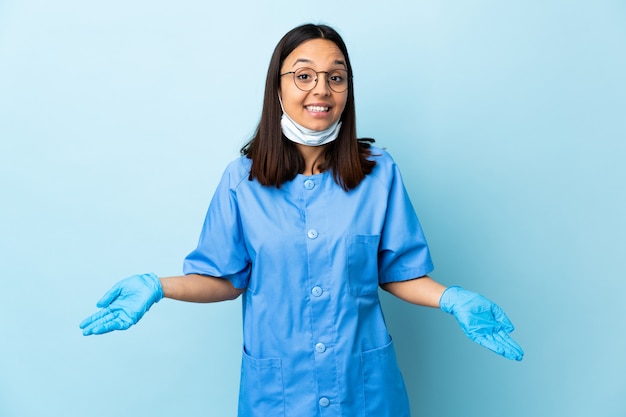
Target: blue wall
[{"x": 506, "y": 117}]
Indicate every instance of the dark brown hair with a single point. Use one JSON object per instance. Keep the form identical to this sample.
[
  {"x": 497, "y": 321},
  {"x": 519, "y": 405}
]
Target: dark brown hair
[{"x": 275, "y": 159}]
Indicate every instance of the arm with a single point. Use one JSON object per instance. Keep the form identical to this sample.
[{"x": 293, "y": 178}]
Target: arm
[
  {"x": 199, "y": 288},
  {"x": 423, "y": 291},
  {"x": 128, "y": 300},
  {"x": 481, "y": 320}
]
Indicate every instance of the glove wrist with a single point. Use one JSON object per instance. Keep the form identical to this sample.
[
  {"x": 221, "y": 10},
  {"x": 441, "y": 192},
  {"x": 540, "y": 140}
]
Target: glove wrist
[
  {"x": 446, "y": 301},
  {"x": 154, "y": 283}
]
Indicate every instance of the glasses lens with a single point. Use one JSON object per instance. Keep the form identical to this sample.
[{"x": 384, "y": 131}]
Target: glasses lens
[
  {"x": 338, "y": 80},
  {"x": 305, "y": 78}
]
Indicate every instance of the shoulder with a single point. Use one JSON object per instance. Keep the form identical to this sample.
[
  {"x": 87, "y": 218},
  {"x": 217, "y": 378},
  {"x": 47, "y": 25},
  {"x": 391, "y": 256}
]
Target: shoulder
[
  {"x": 386, "y": 168},
  {"x": 381, "y": 156},
  {"x": 237, "y": 171}
]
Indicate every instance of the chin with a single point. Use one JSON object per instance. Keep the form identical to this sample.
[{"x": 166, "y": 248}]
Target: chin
[{"x": 318, "y": 126}]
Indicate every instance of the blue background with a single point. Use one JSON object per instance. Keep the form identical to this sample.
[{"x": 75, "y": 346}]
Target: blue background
[{"x": 507, "y": 119}]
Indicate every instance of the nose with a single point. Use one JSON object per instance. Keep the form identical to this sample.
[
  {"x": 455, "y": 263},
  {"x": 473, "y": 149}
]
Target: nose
[{"x": 321, "y": 85}]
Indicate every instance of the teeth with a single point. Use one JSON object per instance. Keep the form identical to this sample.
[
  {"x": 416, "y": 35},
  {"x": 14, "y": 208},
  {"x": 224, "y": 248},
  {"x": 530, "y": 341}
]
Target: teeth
[{"x": 317, "y": 108}]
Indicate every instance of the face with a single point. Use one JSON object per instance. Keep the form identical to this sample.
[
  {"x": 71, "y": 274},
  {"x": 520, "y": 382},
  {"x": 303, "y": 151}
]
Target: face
[{"x": 319, "y": 108}]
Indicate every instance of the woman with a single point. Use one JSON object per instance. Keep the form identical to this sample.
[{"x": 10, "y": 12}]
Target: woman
[{"x": 306, "y": 225}]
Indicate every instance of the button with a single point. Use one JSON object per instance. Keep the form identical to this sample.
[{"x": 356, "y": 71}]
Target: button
[
  {"x": 317, "y": 291},
  {"x": 320, "y": 348},
  {"x": 324, "y": 402},
  {"x": 312, "y": 234},
  {"x": 309, "y": 184}
]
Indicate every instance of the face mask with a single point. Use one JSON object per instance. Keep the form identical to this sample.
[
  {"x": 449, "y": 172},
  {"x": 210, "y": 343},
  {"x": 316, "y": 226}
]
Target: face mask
[{"x": 300, "y": 134}]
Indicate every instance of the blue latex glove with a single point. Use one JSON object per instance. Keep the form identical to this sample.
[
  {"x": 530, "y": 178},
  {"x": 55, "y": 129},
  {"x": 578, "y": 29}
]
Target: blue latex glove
[
  {"x": 482, "y": 321},
  {"x": 124, "y": 304}
]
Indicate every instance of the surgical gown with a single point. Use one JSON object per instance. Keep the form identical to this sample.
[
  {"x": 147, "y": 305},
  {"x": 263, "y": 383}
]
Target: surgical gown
[{"x": 311, "y": 257}]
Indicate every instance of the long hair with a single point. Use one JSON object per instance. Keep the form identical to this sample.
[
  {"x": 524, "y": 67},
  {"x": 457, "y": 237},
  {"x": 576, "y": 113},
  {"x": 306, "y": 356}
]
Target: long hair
[{"x": 275, "y": 159}]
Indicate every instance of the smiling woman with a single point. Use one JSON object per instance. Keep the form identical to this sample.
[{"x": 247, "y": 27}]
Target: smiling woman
[
  {"x": 309, "y": 103},
  {"x": 307, "y": 224},
  {"x": 275, "y": 160}
]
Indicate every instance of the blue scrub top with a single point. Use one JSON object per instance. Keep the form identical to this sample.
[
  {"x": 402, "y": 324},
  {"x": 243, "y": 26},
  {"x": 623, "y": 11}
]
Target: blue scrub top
[{"x": 311, "y": 257}]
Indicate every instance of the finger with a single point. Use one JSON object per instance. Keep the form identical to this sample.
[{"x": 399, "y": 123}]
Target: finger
[
  {"x": 512, "y": 350},
  {"x": 109, "y": 296},
  {"x": 502, "y": 318},
  {"x": 502, "y": 344},
  {"x": 94, "y": 317},
  {"x": 488, "y": 342},
  {"x": 114, "y": 320},
  {"x": 105, "y": 327},
  {"x": 96, "y": 321}
]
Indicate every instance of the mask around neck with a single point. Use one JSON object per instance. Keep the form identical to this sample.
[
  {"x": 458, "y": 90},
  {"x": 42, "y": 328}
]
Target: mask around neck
[{"x": 304, "y": 136}]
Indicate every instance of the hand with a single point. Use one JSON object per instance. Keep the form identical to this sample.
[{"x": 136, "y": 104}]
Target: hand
[
  {"x": 124, "y": 304},
  {"x": 482, "y": 321}
]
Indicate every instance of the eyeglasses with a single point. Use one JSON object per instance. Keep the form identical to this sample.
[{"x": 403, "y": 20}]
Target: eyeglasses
[{"x": 306, "y": 79}]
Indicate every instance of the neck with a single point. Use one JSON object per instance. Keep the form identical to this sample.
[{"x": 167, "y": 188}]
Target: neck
[{"x": 312, "y": 156}]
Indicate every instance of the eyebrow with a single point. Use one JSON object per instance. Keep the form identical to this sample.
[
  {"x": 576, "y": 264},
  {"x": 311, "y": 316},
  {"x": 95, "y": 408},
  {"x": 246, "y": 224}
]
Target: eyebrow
[{"x": 308, "y": 61}]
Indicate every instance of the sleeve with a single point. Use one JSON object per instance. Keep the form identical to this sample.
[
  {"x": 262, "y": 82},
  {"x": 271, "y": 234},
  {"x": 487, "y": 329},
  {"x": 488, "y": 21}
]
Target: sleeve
[
  {"x": 221, "y": 250},
  {"x": 403, "y": 251}
]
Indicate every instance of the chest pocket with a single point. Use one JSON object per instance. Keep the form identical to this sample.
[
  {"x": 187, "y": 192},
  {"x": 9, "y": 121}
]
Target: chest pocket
[{"x": 362, "y": 261}]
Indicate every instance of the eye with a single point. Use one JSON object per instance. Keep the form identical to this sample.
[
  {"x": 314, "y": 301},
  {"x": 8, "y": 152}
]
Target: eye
[
  {"x": 305, "y": 75},
  {"x": 337, "y": 77}
]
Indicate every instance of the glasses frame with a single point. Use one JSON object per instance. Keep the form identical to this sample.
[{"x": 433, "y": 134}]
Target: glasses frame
[{"x": 317, "y": 78}]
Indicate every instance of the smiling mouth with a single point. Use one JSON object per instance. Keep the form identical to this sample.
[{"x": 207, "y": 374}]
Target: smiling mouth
[{"x": 318, "y": 109}]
